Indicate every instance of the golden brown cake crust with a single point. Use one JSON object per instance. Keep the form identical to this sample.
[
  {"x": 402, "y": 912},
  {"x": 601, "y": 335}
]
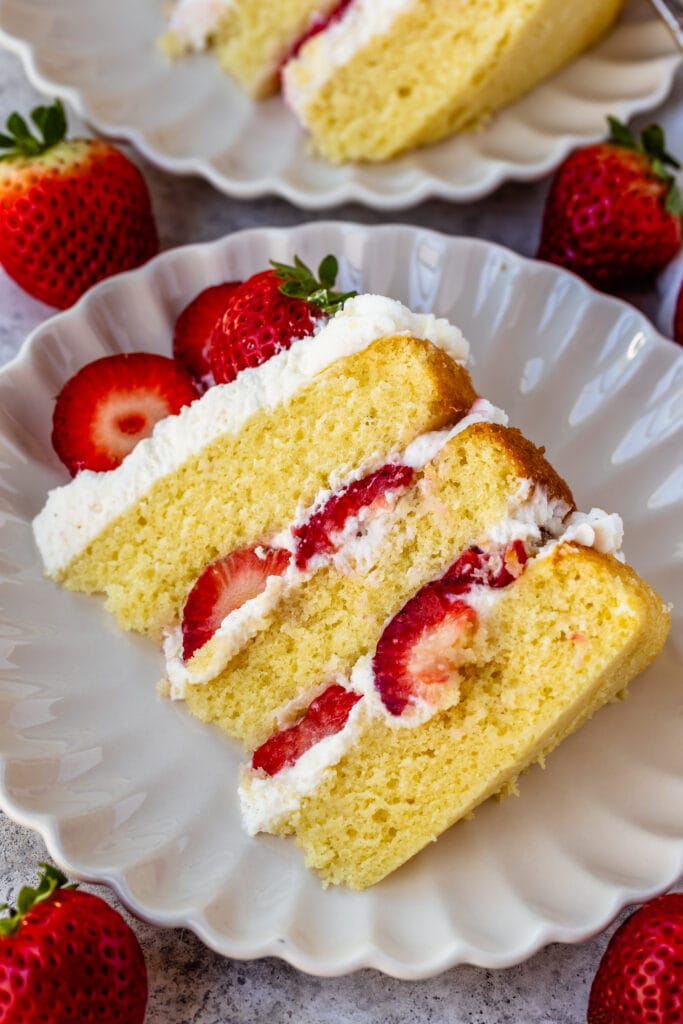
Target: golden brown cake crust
[
  {"x": 454, "y": 391},
  {"x": 530, "y": 460}
]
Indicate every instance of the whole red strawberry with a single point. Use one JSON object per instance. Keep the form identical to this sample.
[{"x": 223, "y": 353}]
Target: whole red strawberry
[
  {"x": 71, "y": 212},
  {"x": 640, "y": 977},
  {"x": 193, "y": 330},
  {"x": 613, "y": 214},
  {"x": 66, "y": 957},
  {"x": 269, "y": 311}
]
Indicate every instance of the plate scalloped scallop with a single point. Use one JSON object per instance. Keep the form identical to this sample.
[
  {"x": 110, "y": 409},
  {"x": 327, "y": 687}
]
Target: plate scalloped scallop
[
  {"x": 189, "y": 118},
  {"x": 129, "y": 789}
]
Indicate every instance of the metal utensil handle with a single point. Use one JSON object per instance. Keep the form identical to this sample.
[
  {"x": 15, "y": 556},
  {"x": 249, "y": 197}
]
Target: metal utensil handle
[{"x": 672, "y": 12}]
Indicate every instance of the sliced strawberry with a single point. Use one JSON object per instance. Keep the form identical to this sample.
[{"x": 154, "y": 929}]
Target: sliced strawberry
[
  {"x": 421, "y": 648},
  {"x": 224, "y": 586},
  {"x": 321, "y": 534},
  {"x": 269, "y": 311},
  {"x": 111, "y": 404},
  {"x": 326, "y": 716},
  {"x": 194, "y": 328},
  {"x": 487, "y": 568}
]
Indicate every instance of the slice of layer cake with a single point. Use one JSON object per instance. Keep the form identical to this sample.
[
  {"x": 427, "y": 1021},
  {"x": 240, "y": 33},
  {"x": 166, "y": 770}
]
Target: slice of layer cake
[
  {"x": 482, "y": 672},
  {"x": 251, "y": 39},
  {"x": 360, "y": 569},
  {"x": 355, "y": 560},
  {"x": 390, "y": 76},
  {"x": 235, "y": 465}
]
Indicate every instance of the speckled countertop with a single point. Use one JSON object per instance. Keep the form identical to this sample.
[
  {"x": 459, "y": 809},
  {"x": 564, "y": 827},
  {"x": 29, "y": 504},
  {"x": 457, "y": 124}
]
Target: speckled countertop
[{"x": 188, "y": 983}]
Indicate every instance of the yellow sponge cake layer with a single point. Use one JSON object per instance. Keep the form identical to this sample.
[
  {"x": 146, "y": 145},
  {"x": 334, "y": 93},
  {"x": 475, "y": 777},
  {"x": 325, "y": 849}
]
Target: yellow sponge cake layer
[
  {"x": 251, "y": 39},
  {"x": 372, "y": 86},
  {"x": 246, "y": 485},
  {"x": 328, "y": 622},
  {"x": 560, "y": 642}
]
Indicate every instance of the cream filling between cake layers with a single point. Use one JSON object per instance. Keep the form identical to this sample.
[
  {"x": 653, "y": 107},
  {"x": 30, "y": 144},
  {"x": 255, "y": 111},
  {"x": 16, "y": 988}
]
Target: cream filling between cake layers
[
  {"x": 267, "y": 801},
  {"x": 357, "y": 549},
  {"x": 76, "y": 513},
  {"x": 335, "y": 46},
  {"x": 195, "y": 21}
]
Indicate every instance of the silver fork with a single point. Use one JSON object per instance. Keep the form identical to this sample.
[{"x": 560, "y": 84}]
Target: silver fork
[{"x": 672, "y": 13}]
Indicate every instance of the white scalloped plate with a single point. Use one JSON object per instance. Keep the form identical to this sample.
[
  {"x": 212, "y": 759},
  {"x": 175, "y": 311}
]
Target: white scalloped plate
[
  {"x": 128, "y": 789},
  {"x": 188, "y": 118}
]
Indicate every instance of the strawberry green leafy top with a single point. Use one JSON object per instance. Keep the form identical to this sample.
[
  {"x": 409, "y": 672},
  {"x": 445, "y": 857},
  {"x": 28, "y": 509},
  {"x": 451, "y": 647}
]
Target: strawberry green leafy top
[
  {"x": 50, "y": 880},
  {"x": 299, "y": 282},
  {"x": 652, "y": 145},
  {"x": 19, "y": 141}
]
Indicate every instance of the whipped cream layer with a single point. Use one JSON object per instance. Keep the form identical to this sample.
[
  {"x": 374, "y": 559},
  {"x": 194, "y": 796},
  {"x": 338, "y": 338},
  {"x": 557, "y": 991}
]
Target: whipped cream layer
[
  {"x": 265, "y": 800},
  {"x": 195, "y": 21},
  {"x": 77, "y": 512},
  {"x": 354, "y": 554},
  {"x": 533, "y": 517}
]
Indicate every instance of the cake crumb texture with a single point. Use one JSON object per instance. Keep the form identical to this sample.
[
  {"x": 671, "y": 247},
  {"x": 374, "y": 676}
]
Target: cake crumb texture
[
  {"x": 443, "y": 66},
  {"x": 326, "y": 624}
]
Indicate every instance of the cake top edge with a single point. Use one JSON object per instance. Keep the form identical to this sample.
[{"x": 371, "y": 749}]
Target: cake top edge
[{"x": 76, "y": 512}]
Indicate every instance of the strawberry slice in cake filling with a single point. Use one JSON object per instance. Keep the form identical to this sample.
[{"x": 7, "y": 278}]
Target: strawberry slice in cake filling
[{"x": 345, "y": 527}]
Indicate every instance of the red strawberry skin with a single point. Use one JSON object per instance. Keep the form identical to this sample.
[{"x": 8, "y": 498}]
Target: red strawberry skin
[
  {"x": 194, "y": 329},
  {"x": 111, "y": 404},
  {"x": 72, "y": 959},
  {"x": 419, "y": 649},
  {"x": 432, "y": 624},
  {"x": 72, "y": 216},
  {"x": 317, "y": 535},
  {"x": 318, "y": 24},
  {"x": 326, "y": 716},
  {"x": 224, "y": 586},
  {"x": 258, "y": 322},
  {"x": 678, "y": 318},
  {"x": 640, "y": 977},
  {"x": 606, "y": 219}
]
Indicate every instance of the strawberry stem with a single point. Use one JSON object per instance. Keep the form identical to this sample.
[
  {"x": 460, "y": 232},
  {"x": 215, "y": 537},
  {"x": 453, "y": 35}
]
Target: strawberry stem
[
  {"x": 652, "y": 145},
  {"x": 19, "y": 140},
  {"x": 49, "y": 881},
  {"x": 299, "y": 282}
]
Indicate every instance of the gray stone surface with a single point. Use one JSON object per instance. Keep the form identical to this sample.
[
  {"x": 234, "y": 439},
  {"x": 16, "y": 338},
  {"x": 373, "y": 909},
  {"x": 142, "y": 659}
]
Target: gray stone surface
[{"x": 188, "y": 983}]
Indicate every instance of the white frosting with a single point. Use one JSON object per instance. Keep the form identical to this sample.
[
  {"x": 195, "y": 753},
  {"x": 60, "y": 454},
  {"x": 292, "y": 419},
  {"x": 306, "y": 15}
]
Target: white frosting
[
  {"x": 76, "y": 513},
  {"x": 531, "y": 511},
  {"x": 595, "y": 529},
  {"x": 194, "y": 21},
  {"x": 266, "y": 800},
  {"x": 362, "y": 22},
  {"x": 358, "y": 547}
]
